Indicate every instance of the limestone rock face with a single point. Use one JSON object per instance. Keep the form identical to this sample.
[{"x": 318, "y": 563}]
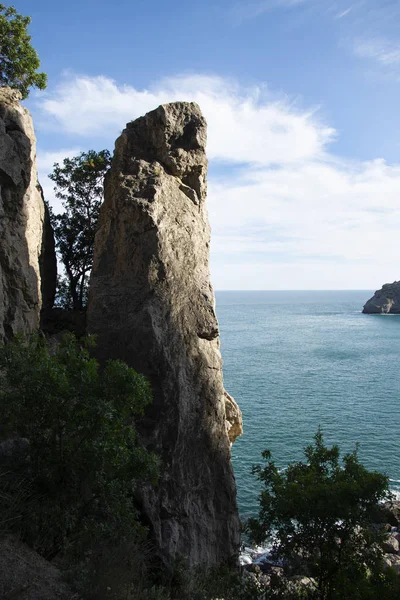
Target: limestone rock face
[
  {"x": 233, "y": 415},
  {"x": 151, "y": 304},
  {"x": 385, "y": 301},
  {"x": 22, "y": 215}
]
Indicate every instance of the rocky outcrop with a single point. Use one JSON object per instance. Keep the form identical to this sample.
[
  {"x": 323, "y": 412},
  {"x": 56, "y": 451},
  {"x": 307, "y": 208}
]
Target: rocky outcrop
[
  {"x": 233, "y": 415},
  {"x": 151, "y": 304},
  {"x": 385, "y": 301},
  {"x": 24, "y": 575},
  {"x": 22, "y": 219}
]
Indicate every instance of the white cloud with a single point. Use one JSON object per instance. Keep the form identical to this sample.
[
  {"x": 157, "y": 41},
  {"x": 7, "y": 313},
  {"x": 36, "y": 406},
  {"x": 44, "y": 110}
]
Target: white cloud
[
  {"x": 290, "y": 275},
  {"x": 385, "y": 52},
  {"x": 243, "y": 11},
  {"x": 45, "y": 159},
  {"x": 269, "y": 131},
  {"x": 343, "y": 221},
  {"x": 344, "y": 13},
  {"x": 45, "y": 162},
  {"x": 286, "y": 213}
]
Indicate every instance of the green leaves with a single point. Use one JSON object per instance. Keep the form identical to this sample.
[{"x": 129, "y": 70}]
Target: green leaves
[
  {"x": 18, "y": 59},
  {"x": 320, "y": 512},
  {"x": 79, "y": 185},
  {"x": 84, "y": 451}
]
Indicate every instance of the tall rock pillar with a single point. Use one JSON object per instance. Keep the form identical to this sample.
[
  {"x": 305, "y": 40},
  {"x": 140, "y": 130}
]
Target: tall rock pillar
[
  {"x": 27, "y": 257},
  {"x": 151, "y": 304}
]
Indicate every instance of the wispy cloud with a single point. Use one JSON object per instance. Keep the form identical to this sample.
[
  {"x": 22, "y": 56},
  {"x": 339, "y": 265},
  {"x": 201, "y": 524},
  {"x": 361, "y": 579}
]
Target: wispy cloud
[
  {"x": 372, "y": 33},
  {"x": 285, "y": 211},
  {"x": 344, "y": 13},
  {"x": 243, "y": 11},
  {"x": 270, "y": 131},
  {"x": 335, "y": 9},
  {"x": 384, "y": 51}
]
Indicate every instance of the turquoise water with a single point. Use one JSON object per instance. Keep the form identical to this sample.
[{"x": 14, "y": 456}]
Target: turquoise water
[{"x": 294, "y": 360}]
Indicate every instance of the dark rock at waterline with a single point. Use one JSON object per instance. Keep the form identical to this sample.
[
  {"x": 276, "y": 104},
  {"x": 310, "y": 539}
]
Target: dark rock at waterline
[
  {"x": 385, "y": 301},
  {"x": 390, "y": 545},
  {"x": 392, "y": 511}
]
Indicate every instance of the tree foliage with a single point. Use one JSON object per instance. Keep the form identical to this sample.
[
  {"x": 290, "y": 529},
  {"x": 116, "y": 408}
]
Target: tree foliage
[
  {"x": 79, "y": 185},
  {"x": 319, "y": 514},
  {"x": 84, "y": 451},
  {"x": 19, "y": 61}
]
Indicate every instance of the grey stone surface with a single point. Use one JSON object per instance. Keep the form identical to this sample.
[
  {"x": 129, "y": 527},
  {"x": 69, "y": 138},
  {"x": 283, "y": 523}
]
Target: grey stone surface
[
  {"x": 24, "y": 575},
  {"x": 151, "y": 304},
  {"x": 389, "y": 513},
  {"x": 390, "y": 545},
  {"x": 234, "y": 421},
  {"x": 22, "y": 217},
  {"x": 392, "y": 561},
  {"x": 384, "y": 301}
]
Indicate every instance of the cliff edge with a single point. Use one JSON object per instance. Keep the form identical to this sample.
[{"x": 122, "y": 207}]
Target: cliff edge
[
  {"x": 27, "y": 257},
  {"x": 385, "y": 301},
  {"x": 151, "y": 304}
]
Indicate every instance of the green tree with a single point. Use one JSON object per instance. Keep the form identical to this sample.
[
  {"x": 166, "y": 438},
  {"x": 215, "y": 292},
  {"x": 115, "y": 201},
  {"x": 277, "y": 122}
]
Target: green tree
[
  {"x": 320, "y": 514},
  {"x": 19, "y": 61},
  {"x": 79, "y": 185},
  {"x": 84, "y": 452}
]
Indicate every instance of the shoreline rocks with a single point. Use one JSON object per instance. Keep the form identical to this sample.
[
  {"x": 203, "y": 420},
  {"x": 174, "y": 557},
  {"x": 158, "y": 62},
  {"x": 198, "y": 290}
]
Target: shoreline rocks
[
  {"x": 261, "y": 561},
  {"x": 385, "y": 301}
]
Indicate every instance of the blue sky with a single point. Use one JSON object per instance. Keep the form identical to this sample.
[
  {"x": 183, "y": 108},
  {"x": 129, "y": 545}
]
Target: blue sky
[{"x": 301, "y": 98}]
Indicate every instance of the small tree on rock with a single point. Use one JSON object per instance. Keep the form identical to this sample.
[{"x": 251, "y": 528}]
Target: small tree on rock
[
  {"x": 18, "y": 59},
  {"x": 320, "y": 514},
  {"x": 79, "y": 185}
]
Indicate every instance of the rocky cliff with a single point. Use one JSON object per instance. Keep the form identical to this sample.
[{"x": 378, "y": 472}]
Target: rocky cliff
[
  {"x": 385, "y": 301},
  {"x": 27, "y": 258},
  {"x": 151, "y": 304}
]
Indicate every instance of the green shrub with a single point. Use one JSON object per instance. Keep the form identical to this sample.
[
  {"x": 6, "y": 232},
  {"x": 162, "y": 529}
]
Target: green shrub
[
  {"x": 85, "y": 456},
  {"x": 321, "y": 515}
]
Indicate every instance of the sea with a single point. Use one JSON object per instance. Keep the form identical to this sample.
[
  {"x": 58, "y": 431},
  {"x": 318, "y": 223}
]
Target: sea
[{"x": 295, "y": 360}]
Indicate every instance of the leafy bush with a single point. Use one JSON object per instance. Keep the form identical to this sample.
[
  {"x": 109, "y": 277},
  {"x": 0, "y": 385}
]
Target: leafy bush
[
  {"x": 84, "y": 452},
  {"x": 320, "y": 514}
]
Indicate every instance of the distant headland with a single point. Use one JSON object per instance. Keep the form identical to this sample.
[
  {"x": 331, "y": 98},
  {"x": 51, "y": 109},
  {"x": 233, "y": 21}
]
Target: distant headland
[{"x": 385, "y": 301}]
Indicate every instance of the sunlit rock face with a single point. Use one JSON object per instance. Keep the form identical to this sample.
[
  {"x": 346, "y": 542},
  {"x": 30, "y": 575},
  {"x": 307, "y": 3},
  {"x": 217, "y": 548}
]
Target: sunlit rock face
[
  {"x": 27, "y": 259},
  {"x": 385, "y": 301},
  {"x": 151, "y": 304}
]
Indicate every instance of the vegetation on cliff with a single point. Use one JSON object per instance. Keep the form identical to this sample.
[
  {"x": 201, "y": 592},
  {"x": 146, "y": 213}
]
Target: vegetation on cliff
[
  {"x": 74, "y": 492},
  {"x": 79, "y": 185},
  {"x": 19, "y": 61}
]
